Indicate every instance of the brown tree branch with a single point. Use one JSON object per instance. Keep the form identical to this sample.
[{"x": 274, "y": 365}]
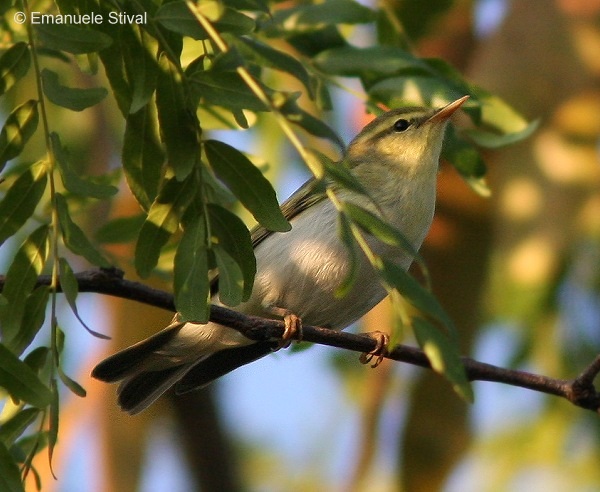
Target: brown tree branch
[{"x": 579, "y": 391}]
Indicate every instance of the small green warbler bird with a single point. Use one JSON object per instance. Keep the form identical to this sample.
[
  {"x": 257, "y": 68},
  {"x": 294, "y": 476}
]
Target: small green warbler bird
[{"x": 396, "y": 159}]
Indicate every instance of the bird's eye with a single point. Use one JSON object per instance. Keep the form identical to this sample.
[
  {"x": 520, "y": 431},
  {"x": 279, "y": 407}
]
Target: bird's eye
[{"x": 401, "y": 125}]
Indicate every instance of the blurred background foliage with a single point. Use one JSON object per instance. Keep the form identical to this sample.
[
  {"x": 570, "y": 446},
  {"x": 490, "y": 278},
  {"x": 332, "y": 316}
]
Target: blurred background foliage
[{"x": 517, "y": 271}]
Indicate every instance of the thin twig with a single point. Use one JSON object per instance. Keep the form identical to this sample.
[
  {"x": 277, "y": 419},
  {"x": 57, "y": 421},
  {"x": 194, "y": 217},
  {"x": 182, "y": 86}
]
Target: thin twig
[{"x": 579, "y": 391}]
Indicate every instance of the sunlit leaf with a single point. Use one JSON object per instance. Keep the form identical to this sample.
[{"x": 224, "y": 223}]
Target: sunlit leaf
[
  {"x": 17, "y": 130},
  {"x": 178, "y": 123},
  {"x": 17, "y": 424},
  {"x": 163, "y": 220},
  {"x": 225, "y": 89},
  {"x": 21, "y": 200},
  {"x": 74, "y": 237},
  {"x": 20, "y": 280},
  {"x": 33, "y": 319},
  {"x": 14, "y": 65},
  {"x": 443, "y": 355}
]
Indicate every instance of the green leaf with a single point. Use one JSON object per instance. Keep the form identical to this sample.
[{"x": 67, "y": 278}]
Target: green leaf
[
  {"x": 443, "y": 355},
  {"x": 345, "y": 233},
  {"x": 162, "y": 221},
  {"x": 225, "y": 89},
  {"x": 17, "y": 130},
  {"x": 308, "y": 122},
  {"x": 33, "y": 318},
  {"x": 176, "y": 17},
  {"x": 10, "y": 476},
  {"x": 331, "y": 12},
  {"x": 72, "y": 39},
  {"x": 491, "y": 140},
  {"x": 264, "y": 55},
  {"x": 21, "y": 200},
  {"x": 14, "y": 65},
  {"x": 231, "y": 279},
  {"x": 53, "y": 421},
  {"x": 233, "y": 237},
  {"x": 380, "y": 229},
  {"x": 178, "y": 123},
  {"x": 72, "y": 180},
  {"x": 191, "y": 284},
  {"x": 20, "y": 381},
  {"x": 20, "y": 280},
  {"x": 139, "y": 50},
  {"x": 16, "y": 425},
  {"x": 247, "y": 183},
  {"x": 142, "y": 157},
  {"x": 71, "y": 98},
  {"x": 415, "y": 293},
  {"x": 120, "y": 230},
  {"x": 70, "y": 288},
  {"x": 467, "y": 160},
  {"x": 74, "y": 237},
  {"x": 70, "y": 383}
]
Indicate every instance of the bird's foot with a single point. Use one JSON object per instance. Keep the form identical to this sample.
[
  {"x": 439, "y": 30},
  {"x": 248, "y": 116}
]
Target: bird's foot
[
  {"x": 293, "y": 326},
  {"x": 380, "y": 350}
]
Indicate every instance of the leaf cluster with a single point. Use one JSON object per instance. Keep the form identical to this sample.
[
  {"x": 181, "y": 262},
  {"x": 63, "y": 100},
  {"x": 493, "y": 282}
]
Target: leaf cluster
[{"x": 182, "y": 69}]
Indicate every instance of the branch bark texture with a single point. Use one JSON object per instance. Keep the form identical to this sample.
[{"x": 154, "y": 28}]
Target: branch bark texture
[{"x": 580, "y": 391}]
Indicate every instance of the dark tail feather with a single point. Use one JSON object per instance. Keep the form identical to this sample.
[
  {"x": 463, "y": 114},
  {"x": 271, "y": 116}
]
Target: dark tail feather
[
  {"x": 119, "y": 365},
  {"x": 143, "y": 389},
  {"x": 221, "y": 363}
]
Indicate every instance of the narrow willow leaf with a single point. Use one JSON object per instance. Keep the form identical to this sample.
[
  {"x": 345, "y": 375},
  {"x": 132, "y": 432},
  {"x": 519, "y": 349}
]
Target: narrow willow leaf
[
  {"x": 162, "y": 221},
  {"x": 20, "y": 381},
  {"x": 491, "y": 140},
  {"x": 266, "y": 56},
  {"x": 14, "y": 65},
  {"x": 463, "y": 156},
  {"x": 190, "y": 273},
  {"x": 37, "y": 358},
  {"x": 444, "y": 356},
  {"x": 308, "y": 122},
  {"x": 17, "y": 130},
  {"x": 115, "y": 70},
  {"x": 247, "y": 183},
  {"x": 176, "y": 17},
  {"x": 21, "y": 200},
  {"x": 70, "y": 288},
  {"x": 142, "y": 156},
  {"x": 226, "y": 89},
  {"x": 20, "y": 280},
  {"x": 12, "y": 429},
  {"x": 231, "y": 279},
  {"x": 33, "y": 319},
  {"x": 415, "y": 293},
  {"x": 380, "y": 229},
  {"x": 72, "y": 39},
  {"x": 345, "y": 233},
  {"x": 10, "y": 476},
  {"x": 330, "y": 12},
  {"x": 230, "y": 234},
  {"x": 75, "y": 99},
  {"x": 74, "y": 237},
  {"x": 178, "y": 123},
  {"x": 72, "y": 180},
  {"x": 70, "y": 383},
  {"x": 140, "y": 65},
  {"x": 257, "y": 5},
  {"x": 120, "y": 230}
]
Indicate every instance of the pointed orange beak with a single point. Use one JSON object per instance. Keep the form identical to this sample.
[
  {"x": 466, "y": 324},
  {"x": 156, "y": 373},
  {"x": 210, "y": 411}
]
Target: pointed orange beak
[{"x": 444, "y": 113}]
